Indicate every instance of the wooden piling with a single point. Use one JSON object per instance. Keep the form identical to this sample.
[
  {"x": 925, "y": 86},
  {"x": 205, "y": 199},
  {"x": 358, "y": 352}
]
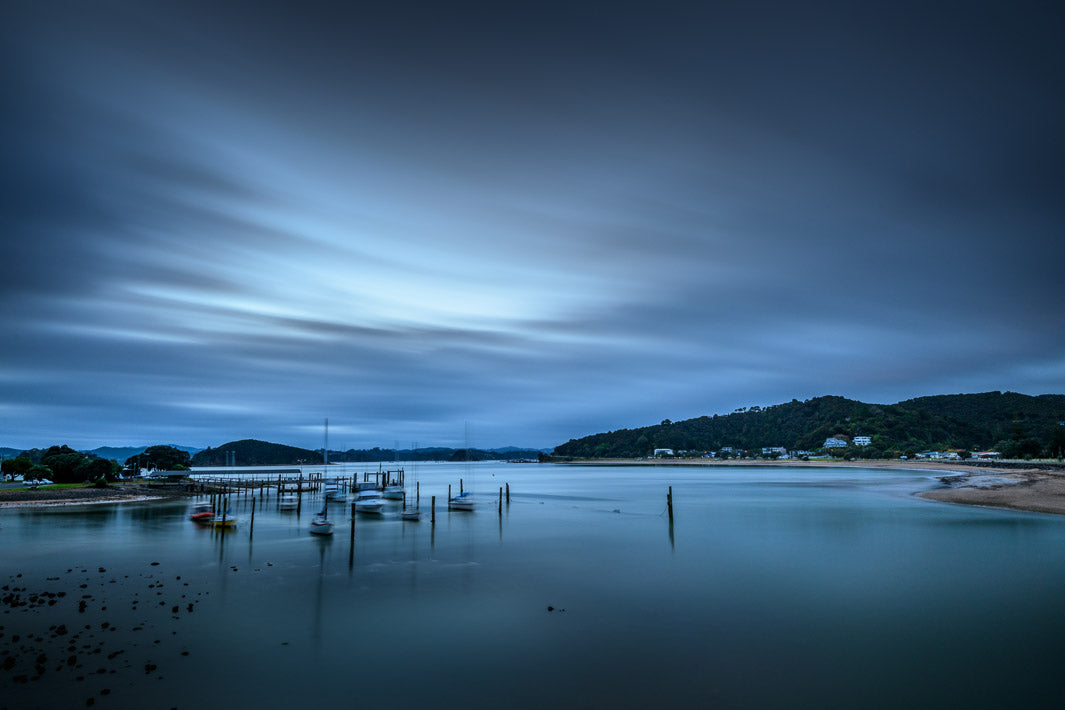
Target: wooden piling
[
  {"x": 508, "y": 494},
  {"x": 449, "y": 495},
  {"x": 669, "y": 503},
  {"x": 251, "y": 525},
  {"x": 432, "y": 511},
  {"x": 417, "y": 494},
  {"x": 501, "y": 501},
  {"x": 460, "y": 486}
]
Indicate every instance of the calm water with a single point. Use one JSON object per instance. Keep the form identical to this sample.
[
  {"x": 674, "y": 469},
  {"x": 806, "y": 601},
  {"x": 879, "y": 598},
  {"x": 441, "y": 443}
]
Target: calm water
[{"x": 777, "y": 588}]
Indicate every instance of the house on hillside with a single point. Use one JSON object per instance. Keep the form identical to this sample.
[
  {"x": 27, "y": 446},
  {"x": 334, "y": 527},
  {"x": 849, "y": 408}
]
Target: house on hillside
[
  {"x": 780, "y": 451},
  {"x": 862, "y": 440},
  {"x": 661, "y": 453},
  {"x": 834, "y": 443}
]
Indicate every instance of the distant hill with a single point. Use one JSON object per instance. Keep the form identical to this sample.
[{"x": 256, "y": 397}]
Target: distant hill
[
  {"x": 251, "y": 452},
  {"x": 9, "y": 453},
  {"x": 1017, "y": 425}
]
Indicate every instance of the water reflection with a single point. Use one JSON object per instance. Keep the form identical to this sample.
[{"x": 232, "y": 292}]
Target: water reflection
[{"x": 832, "y": 583}]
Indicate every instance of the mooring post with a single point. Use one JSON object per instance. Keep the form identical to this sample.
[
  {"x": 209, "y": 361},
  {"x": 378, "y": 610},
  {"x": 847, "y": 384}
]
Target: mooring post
[
  {"x": 669, "y": 503},
  {"x": 501, "y": 501},
  {"x": 460, "y": 486},
  {"x": 449, "y": 495},
  {"x": 404, "y": 500},
  {"x": 432, "y": 511},
  {"x": 251, "y": 528},
  {"x": 508, "y": 494},
  {"x": 417, "y": 494}
]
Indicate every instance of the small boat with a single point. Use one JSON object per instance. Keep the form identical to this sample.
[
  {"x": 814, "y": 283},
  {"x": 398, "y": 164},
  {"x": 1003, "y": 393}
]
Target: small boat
[
  {"x": 368, "y": 499},
  {"x": 334, "y": 494},
  {"x": 321, "y": 525},
  {"x": 201, "y": 513},
  {"x": 225, "y": 522},
  {"x": 288, "y": 501},
  {"x": 411, "y": 514},
  {"x": 463, "y": 501},
  {"x": 393, "y": 492}
]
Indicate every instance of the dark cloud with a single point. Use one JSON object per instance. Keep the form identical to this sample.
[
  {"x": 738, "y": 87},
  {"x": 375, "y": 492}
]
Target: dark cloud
[{"x": 230, "y": 221}]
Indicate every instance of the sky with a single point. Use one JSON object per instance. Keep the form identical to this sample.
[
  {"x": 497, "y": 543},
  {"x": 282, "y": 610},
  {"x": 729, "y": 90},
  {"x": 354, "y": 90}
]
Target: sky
[{"x": 228, "y": 220}]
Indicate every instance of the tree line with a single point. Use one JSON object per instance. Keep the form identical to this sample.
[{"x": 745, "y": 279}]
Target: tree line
[
  {"x": 62, "y": 464},
  {"x": 1015, "y": 425}
]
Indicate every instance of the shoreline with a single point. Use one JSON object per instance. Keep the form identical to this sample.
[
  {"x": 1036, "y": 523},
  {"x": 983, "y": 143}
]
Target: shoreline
[
  {"x": 65, "y": 497},
  {"x": 1007, "y": 486}
]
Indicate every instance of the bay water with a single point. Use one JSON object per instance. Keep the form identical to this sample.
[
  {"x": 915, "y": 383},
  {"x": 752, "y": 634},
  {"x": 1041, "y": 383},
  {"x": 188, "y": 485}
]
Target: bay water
[{"x": 773, "y": 587}]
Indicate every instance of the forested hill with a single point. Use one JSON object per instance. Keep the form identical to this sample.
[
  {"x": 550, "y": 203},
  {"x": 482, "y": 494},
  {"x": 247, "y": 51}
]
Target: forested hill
[
  {"x": 251, "y": 452},
  {"x": 1014, "y": 424}
]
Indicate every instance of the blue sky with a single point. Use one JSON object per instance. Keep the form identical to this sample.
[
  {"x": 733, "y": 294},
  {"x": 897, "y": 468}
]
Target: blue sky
[{"x": 231, "y": 220}]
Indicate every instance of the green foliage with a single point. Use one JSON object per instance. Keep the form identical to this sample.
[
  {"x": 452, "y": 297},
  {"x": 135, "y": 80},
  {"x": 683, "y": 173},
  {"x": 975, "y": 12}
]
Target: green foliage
[
  {"x": 160, "y": 457},
  {"x": 1014, "y": 424},
  {"x": 38, "y": 471},
  {"x": 250, "y": 452},
  {"x": 16, "y": 467}
]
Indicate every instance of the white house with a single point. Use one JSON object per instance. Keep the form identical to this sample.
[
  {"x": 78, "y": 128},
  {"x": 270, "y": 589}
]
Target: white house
[
  {"x": 767, "y": 450},
  {"x": 659, "y": 453},
  {"x": 862, "y": 440},
  {"x": 834, "y": 443}
]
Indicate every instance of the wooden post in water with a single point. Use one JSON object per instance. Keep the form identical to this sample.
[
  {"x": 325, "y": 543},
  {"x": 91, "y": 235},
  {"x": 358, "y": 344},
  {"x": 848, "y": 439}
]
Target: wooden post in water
[
  {"x": 251, "y": 527},
  {"x": 449, "y": 495},
  {"x": 501, "y": 501},
  {"x": 460, "y": 486},
  {"x": 508, "y": 494},
  {"x": 432, "y": 511},
  {"x": 669, "y": 504},
  {"x": 417, "y": 494},
  {"x": 299, "y": 495}
]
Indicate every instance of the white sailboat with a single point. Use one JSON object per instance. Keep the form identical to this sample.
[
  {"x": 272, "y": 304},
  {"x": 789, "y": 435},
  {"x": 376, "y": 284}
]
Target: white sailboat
[
  {"x": 463, "y": 501},
  {"x": 321, "y": 524}
]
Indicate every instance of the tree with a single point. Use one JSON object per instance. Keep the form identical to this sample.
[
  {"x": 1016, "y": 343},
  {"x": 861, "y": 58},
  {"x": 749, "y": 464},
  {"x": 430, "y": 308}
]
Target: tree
[
  {"x": 38, "y": 471},
  {"x": 160, "y": 457},
  {"x": 16, "y": 466},
  {"x": 65, "y": 466},
  {"x": 95, "y": 469}
]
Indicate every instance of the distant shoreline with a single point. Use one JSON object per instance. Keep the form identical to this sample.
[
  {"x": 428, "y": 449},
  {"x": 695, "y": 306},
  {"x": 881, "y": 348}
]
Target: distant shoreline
[{"x": 1006, "y": 485}]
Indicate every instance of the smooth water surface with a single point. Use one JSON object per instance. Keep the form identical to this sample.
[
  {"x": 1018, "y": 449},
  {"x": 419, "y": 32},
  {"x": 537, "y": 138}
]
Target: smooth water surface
[{"x": 775, "y": 587}]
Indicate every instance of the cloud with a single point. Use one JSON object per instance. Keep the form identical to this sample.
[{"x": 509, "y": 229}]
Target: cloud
[{"x": 224, "y": 223}]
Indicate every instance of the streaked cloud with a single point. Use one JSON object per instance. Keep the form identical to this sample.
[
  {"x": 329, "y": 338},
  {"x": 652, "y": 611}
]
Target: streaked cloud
[{"x": 231, "y": 222}]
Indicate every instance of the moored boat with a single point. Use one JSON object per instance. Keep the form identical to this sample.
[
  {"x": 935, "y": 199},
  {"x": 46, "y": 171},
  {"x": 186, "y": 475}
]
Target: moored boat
[
  {"x": 463, "y": 501},
  {"x": 201, "y": 513},
  {"x": 288, "y": 501},
  {"x": 368, "y": 499},
  {"x": 225, "y": 522},
  {"x": 320, "y": 524},
  {"x": 393, "y": 492}
]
